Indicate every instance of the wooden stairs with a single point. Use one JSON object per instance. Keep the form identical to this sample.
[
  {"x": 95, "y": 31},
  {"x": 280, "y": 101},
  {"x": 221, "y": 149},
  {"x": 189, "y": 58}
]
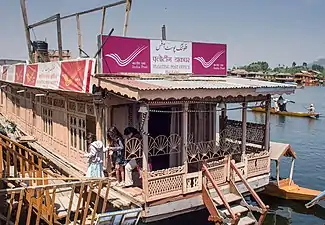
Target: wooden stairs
[
  {"x": 231, "y": 207},
  {"x": 236, "y": 205}
]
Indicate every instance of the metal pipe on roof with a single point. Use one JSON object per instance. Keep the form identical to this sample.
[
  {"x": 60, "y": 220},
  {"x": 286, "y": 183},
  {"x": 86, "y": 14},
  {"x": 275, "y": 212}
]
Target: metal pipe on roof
[{"x": 53, "y": 18}]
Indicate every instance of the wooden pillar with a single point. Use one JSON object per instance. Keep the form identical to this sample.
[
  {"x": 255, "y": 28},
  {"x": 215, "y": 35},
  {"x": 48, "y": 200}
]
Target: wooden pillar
[
  {"x": 99, "y": 118},
  {"x": 214, "y": 123},
  {"x": 185, "y": 134},
  {"x": 267, "y": 122},
  {"x": 222, "y": 117},
  {"x": 59, "y": 35},
  {"x": 144, "y": 110},
  {"x": 244, "y": 129},
  {"x": 79, "y": 34}
]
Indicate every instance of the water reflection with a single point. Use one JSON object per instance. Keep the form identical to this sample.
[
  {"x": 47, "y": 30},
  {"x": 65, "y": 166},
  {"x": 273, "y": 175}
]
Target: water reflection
[
  {"x": 281, "y": 119},
  {"x": 281, "y": 210},
  {"x": 311, "y": 124}
]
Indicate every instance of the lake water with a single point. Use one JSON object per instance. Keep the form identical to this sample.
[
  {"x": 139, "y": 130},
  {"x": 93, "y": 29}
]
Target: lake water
[{"x": 307, "y": 137}]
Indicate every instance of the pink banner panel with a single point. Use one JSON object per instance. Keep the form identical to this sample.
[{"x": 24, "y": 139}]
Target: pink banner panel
[
  {"x": 209, "y": 59},
  {"x": 121, "y": 54}
]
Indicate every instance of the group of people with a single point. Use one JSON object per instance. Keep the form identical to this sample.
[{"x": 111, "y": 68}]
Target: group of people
[
  {"x": 116, "y": 149},
  {"x": 280, "y": 105}
]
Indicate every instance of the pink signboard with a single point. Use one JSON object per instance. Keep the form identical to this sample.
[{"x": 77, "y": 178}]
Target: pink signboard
[
  {"x": 209, "y": 59},
  {"x": 121, "y": 54},
  {"x": 135, "y": 55}
]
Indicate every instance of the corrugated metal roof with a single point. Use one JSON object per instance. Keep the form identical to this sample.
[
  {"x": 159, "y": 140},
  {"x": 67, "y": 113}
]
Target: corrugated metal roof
[{"x": 196, "y": 83}]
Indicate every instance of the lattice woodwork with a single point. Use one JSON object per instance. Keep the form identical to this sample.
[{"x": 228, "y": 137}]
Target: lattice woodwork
[
  {"x": 193, "y": 182},
  {"x": 90, "y": 109},
  {"x": 81, "y": 107},
  {"x": 165, "y": 183},
  {"x": 72, "y": 106},
  {"x": 133, "y": 148},
  {"x": 60, "y": 103},
  {"x": 218, "y": 170},
  {"x": 255, "y": 131},
  {"x": 166, "y": 172},
  {"x": 258, "y": 163},
  {"x": 212, "y": 149},
  {"x": 163, "y": 145}
]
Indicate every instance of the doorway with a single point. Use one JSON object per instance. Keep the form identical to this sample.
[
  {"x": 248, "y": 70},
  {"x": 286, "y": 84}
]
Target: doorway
[{"x": 160, "y": 124}]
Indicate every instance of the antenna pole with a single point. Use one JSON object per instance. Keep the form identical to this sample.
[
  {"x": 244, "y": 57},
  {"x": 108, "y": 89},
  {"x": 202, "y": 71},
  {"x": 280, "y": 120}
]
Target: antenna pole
[
  {"x": 27, "y": 31},
  {"x": 163, "y": 32}
]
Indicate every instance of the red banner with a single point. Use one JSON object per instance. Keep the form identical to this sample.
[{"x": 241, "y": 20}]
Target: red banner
[
  {"x": 19, "y": 73},
  {"x": 72, "y": 75},
  {"x": 69, "y": 75},
  {"x": 31, "y": 75}
]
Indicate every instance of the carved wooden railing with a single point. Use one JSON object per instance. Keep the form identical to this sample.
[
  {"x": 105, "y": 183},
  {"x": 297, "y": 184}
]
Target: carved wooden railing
[
  {"x": 214, "y": 215},
  {"x": 258, "y": 163},
  {"x": 264, "y": 208},
  {"x": 163, "y": 183},
  {"x": 175, "y": 181},
  {"x": 255, "y": 132}
]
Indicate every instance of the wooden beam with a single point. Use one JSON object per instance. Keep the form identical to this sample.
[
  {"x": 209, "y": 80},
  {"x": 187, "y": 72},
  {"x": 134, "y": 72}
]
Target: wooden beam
[
  {"x": 27, "y": 31},
  {"x": 79, "y": 34},
  {"x": 102, "y": 25},
  {"x": 59, "y": 34},
  {"x": 52, "y": 19},
  {"x": 127, "y": 15}
]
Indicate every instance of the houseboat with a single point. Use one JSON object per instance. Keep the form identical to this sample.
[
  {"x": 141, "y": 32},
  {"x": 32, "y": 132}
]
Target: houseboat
[{"x": 195, "y": 162}]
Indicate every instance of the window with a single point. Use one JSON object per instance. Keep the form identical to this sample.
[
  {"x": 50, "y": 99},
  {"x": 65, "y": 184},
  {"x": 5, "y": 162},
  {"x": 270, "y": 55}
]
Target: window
[
  {"x": 77, "y": 128},
  {"x": 47, "y": 115}
]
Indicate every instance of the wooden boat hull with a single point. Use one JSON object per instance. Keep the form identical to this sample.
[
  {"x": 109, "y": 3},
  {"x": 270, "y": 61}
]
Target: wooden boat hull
[
  {"x": 292, "y": 191},
  {"x": 295, "y": 114}
]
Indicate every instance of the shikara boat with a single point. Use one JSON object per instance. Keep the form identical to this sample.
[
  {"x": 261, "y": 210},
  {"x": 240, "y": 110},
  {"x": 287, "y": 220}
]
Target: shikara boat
[
  {"x": 295, "y": 114},
  {"x": 286, "y": 188}
]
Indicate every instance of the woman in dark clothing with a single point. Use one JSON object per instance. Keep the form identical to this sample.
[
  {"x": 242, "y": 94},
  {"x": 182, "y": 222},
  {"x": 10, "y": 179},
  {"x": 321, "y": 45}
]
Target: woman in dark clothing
[
  {"x": 116, "y": 146},
  {"x": 132, "y": 132}
]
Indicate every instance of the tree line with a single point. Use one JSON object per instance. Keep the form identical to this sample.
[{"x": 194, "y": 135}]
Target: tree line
[{"x": 261, "y": 66}]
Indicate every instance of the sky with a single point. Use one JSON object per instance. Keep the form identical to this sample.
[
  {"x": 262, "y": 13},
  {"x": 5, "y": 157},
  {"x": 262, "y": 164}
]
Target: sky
[{"x": 275, "y": 31}]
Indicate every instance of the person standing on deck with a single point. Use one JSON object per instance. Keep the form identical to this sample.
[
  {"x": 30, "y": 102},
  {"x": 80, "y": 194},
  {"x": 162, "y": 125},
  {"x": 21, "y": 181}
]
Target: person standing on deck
[
  {"x": 95, "y": 156},
  {"x": 311, "y": 108},
  {"x": 276, "y": 105},
  {"x": 116, "y": 149},
  {"x": 282, "y": 103}
]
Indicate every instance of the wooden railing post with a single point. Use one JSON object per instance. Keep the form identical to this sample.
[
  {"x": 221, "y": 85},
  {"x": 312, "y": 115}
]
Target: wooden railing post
[
  {"x": 220, "y": 194},
  {"x": 249, "y": 188},
  {"x": 1, "y": 158}
]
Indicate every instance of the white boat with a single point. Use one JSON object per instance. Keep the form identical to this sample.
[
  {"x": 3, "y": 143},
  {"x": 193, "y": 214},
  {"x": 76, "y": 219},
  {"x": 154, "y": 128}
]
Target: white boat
[{"x": 319, "y": 200}]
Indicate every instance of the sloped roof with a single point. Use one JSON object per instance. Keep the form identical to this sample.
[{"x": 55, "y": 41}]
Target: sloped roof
[
  {"x": 216, "y": 86},
  {"x": 277, "y": 150}
]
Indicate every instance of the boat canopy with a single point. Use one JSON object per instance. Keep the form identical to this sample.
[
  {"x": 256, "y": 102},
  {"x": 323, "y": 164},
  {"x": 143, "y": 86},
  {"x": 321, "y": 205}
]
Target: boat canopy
[{"x": 278, "y": 150}]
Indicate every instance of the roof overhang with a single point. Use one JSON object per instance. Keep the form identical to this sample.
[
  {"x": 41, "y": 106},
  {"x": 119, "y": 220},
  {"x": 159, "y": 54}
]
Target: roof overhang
[{"x": 190, "y": 88}]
